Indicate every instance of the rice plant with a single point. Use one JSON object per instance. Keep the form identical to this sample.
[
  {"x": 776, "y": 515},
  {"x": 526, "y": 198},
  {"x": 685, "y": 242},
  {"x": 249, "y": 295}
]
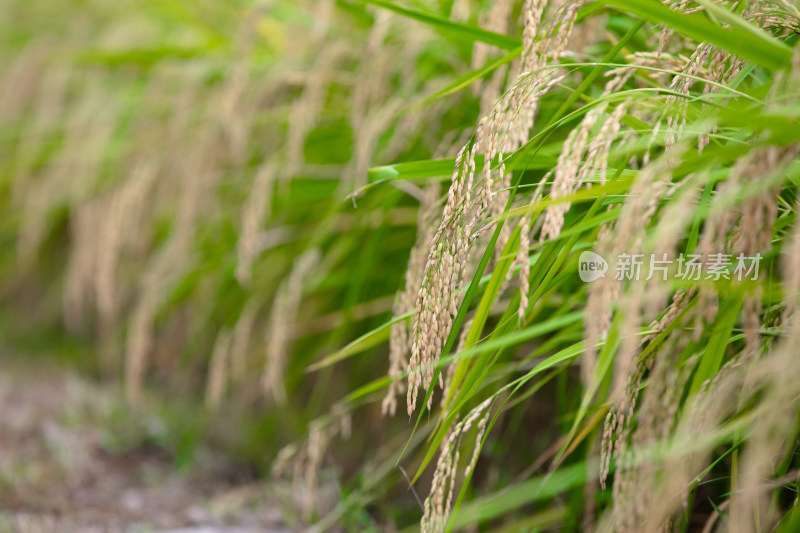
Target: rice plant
[{"x": 465, "y": 265}]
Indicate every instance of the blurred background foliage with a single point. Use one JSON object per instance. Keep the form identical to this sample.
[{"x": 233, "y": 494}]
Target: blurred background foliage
[{"x": 165, "y": 164}]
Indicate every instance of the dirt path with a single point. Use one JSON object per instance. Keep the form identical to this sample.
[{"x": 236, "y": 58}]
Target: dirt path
[{"x": 57, "y": 476}]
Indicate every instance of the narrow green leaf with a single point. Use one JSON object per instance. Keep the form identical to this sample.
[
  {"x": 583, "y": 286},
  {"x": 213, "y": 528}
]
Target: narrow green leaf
[
  {"x": 711, "y": 360},
  {"x": 431, "y": 168},
  {"x": 595, "y": 73},
  {"x": 530, "y": 491},
  {"x": 464, "y": 31},
  {"x": 364, "y": 342},
  {"x": 482, "y": 311},
  {"x": 753, "y": 44},
  {"x": 469, "y": 78}
]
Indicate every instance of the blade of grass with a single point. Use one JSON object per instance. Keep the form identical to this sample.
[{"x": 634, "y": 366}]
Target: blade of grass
[
  {"x": 463, "y": 31},
  {"x": 741, "y": 38},
  {"x": 711, "y": 360},
  {"x": 469, "y": 78},
  {"x": 364, "y": 342}
]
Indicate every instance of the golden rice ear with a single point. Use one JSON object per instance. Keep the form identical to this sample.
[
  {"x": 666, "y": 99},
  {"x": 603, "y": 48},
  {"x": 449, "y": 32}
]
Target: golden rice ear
[
  {"x": 404, "y": 302},
  {"x": 655, "y": 423},
  {"x": 584, "y": 156},
  {"x": 281, "y": 324},
  {"x": 790, "y": 259},
  {"x": 636, "y": 482},
  {"x": 125, "y": 208},
  {"x": 257, "y": 207},
  {"x": 200, "y": 174},
  {"x": 451, "y": 368},
  {"x": 648, "y": 188},
  {"x": 439, "y": 503},
  {"x": 522, "y": 260},
  {"x": 504, "y": 129},
  {"x": 240, "y": 342},
  {"x": 218, "y": 370},
  {"x": 306, "y": 461},
  {"x": 774, "y": 376}
]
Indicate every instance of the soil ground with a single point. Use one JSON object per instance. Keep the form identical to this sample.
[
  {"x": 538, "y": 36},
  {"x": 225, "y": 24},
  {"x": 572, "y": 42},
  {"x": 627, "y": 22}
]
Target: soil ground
[{"x": 57, "y": 475}]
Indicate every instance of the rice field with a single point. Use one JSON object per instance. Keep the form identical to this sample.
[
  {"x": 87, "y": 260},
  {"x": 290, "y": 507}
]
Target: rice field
[{"x": 417, "y": 265}]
